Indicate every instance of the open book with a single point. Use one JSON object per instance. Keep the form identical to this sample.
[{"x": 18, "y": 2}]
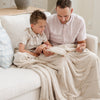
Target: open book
[{"x": 63, "y": 49}]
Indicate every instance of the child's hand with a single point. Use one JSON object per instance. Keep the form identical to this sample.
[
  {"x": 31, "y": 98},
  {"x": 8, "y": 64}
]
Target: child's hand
[
  {"x": 47, "y": 53},
  {"x": 35, "y": 54},
  {"x": 39, "y": 49}
]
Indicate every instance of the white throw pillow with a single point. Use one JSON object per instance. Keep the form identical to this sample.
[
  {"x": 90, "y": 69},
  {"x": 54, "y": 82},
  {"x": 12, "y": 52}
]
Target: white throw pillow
[
  {"x": 6, "y": 51},
  {"x": 15, "y": 27}
]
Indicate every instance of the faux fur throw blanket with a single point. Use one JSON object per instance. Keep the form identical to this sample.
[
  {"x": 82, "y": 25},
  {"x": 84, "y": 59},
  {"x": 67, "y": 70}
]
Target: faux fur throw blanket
[{"x": 66, "y": 75}]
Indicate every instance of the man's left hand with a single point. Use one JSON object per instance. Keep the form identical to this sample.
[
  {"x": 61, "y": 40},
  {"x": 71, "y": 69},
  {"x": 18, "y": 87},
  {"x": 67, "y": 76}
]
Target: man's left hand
[{"x": 80, "y": 47}]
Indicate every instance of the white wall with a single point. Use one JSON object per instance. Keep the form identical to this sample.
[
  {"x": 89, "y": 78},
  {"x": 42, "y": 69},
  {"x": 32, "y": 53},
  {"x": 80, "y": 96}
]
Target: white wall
[
  {"x": 7, "y": 4},
  {"x": 51, "y": 5},
  {"x": 96, "y": 18},
  {"x": 40, "y": 4},
  {"x": 89, "y": 9}
]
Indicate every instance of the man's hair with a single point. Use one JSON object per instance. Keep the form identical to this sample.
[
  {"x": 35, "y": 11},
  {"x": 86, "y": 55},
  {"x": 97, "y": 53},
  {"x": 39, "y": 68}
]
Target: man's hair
[
  {"x": 63, "y": 3},
  {"x": 37, "y": 15}
]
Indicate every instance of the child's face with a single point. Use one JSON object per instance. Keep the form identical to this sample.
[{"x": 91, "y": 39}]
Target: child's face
[{"x": 39, "y": 27}]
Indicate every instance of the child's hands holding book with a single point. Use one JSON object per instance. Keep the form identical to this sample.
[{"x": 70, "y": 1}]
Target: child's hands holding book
[{"x": 40, "y": 48}]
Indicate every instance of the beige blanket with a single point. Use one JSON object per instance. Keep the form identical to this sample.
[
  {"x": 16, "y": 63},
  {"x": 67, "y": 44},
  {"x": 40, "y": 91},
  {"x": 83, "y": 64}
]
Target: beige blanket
[{"x": 66, "y": 75}]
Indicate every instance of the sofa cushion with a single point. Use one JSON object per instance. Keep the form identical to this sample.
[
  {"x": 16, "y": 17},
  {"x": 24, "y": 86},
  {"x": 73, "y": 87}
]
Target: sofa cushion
[
  {"x": 16, "y": 25},
  {"x": 17, "y": 81},
  {"x": 6, "y": 51}
]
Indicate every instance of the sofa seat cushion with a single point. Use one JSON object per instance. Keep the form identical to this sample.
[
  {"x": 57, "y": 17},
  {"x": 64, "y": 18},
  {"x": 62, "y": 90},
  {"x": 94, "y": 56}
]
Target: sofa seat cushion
[{"x": 16, "y": 81}]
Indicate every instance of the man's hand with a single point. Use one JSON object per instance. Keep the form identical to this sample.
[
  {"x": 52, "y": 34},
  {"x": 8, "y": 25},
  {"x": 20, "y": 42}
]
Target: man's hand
[{"x": 80, "y": 47}]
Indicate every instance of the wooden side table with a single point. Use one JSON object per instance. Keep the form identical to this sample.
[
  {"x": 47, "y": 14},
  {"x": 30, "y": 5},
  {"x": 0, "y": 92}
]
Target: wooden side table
[{"x": 15, "y": 11}]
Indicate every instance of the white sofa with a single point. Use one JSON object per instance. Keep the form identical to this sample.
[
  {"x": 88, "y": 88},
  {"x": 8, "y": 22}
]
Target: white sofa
[{"x": 24, "y": 84}]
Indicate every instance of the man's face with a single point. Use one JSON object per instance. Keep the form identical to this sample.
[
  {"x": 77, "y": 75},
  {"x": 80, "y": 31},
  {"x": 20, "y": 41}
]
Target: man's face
[{"x": 64, "y": 14}]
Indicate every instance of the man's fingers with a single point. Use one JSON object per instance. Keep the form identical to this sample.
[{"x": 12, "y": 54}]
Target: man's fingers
[{"x": 79, "y": 49}]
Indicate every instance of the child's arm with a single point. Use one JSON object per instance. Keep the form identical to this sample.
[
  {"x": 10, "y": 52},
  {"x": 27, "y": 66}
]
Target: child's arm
[
  {"x": 40, "y": 48},
  {"x": 43, "y": 48},
  {"x": 22, "y": 49}
]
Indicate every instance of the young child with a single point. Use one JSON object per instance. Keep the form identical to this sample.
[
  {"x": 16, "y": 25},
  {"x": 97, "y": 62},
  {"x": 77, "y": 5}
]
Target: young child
[{"x": 35, "y": 39}]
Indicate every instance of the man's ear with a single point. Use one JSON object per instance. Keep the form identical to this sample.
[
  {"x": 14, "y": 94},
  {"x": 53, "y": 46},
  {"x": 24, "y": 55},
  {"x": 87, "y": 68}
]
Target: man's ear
[{"x": 71, "y": 10}]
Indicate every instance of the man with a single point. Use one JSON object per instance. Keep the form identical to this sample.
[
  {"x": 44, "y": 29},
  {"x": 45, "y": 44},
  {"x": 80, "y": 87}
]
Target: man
[
  {"x": 83, "y": 66},
  {"x": 65, "y": 27}
]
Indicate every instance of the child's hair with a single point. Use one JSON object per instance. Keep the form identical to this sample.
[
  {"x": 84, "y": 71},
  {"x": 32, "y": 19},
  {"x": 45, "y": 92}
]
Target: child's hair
[{"x": 37, "y": 15}]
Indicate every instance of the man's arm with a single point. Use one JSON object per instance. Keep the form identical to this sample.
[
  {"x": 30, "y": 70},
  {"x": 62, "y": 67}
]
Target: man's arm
[{"x": 81, "y": 38}]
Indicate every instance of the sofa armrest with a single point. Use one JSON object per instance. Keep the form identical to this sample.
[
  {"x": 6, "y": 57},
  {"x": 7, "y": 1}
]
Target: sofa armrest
[{"x": 92, "y": 43}]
